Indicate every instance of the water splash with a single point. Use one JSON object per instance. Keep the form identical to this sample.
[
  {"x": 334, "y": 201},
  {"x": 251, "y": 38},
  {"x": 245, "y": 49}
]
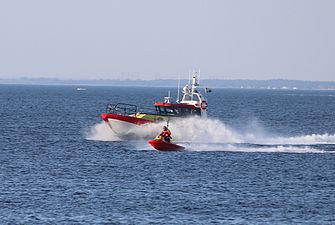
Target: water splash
[
  {"x": 101, "y": 132},
  {"x": 204, "y": 134}
]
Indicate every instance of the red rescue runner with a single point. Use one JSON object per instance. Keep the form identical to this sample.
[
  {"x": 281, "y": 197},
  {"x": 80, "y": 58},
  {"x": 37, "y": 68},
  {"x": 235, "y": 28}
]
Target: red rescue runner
[{"x": 159, "y": 144}]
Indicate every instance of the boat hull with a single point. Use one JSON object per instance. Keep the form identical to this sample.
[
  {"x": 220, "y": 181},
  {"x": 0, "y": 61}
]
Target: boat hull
[
  {"x": 121, "y": 128},
  {"x": 161, "y": 145},
  {"x": 124, "y": 126}
]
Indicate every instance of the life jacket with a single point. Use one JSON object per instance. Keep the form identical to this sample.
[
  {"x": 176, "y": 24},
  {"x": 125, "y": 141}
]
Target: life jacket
[{"x": 166, "y": 133}]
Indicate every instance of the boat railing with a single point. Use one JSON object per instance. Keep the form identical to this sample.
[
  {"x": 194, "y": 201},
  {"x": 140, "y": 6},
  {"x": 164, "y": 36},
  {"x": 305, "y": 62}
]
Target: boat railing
[{"x": 123, "y": 109}]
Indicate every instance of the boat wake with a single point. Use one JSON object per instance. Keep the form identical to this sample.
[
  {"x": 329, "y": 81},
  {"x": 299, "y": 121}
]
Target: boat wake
[{"x": 204, "y": 134}]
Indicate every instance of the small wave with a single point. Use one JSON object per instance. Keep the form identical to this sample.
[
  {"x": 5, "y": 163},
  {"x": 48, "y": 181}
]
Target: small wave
[{"x": 311, "y": 95}]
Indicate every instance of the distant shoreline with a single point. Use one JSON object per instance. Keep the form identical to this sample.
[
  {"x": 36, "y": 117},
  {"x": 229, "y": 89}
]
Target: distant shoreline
[{"x": 211, "y": 83}]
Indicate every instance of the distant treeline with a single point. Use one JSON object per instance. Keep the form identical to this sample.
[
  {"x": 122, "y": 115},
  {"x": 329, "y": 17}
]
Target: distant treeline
[{"x": 212, "y": 83}]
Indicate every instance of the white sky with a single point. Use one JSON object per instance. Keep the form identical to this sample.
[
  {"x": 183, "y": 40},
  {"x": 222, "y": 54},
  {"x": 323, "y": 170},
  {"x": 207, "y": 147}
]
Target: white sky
[{"x": 228, "y": 39}]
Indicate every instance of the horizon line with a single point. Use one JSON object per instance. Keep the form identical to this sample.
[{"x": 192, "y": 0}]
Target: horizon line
[{"x": 23, "y": 78}]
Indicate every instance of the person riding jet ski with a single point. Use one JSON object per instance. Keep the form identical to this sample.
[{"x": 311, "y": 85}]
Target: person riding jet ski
[{"x": 166, "y": 134}]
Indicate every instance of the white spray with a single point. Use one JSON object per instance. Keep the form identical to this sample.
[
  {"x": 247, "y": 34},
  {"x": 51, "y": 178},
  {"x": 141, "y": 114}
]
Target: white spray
[{"x": 205, "y": 134}]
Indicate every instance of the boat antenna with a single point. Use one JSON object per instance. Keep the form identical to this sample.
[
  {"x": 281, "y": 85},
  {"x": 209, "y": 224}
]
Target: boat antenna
[
  {"x": 178, "y": 88},
  {"x": 167, "y": 123},
  {"x": 189, "y": 77},
  {"x": 199, "y": 77}
]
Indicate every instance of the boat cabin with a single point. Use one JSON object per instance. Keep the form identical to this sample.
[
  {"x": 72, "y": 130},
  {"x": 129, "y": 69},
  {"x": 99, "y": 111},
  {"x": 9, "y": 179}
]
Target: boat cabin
[{"x": 191, "y": 104}]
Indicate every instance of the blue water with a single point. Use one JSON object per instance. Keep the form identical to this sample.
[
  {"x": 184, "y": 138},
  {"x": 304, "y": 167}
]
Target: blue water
[{"x": 266, "y": 157}]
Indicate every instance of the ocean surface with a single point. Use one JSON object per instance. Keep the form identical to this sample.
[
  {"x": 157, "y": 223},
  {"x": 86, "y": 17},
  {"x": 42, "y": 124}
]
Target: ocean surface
[{"x": 261, "y": 157}]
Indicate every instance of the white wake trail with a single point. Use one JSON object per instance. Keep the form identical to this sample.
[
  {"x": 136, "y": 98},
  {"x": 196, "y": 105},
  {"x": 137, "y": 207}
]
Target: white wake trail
[
  {"x": 310, "y": 139},
  {"x": 265, "y": 149},
  {"x": 207, "y": 134}
]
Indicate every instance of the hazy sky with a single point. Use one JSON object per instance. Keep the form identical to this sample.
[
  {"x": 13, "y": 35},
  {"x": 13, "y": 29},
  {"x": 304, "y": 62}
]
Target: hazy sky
[{"x": 228, "y": 39}]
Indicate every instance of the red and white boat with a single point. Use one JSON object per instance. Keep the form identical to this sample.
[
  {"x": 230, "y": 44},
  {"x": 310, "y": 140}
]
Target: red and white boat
[{"x": 123, "y": 118}]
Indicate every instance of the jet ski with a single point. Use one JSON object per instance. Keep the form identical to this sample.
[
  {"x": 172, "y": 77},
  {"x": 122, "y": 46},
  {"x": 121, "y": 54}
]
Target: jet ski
[{"x": 159, "y": 144}]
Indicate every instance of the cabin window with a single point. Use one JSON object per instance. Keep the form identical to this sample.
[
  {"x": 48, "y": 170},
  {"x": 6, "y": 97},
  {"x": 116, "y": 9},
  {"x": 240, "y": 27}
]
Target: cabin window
[
  {"x": 196, "y": 111},
  {"x": 160, "y": 110},
  {"x": 170, "y": 111},
  {"x": 177, "y": 111},
  {"x": 187, "y": 98},
  {"x": 193, "y": 97},
  {"x": 191, "y": 111},
  {"x": 196, "y": 98}
]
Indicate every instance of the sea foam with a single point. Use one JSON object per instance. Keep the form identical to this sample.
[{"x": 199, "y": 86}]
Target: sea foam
[{"x": 208, "y": 134}]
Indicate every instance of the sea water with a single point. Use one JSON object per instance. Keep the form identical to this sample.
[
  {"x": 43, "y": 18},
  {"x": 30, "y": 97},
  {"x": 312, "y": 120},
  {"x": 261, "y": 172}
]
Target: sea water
[{"x": 261, "y": 157}]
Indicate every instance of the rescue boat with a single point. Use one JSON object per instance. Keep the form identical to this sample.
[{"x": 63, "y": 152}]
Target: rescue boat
[{"x": 124, "y": 118}]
